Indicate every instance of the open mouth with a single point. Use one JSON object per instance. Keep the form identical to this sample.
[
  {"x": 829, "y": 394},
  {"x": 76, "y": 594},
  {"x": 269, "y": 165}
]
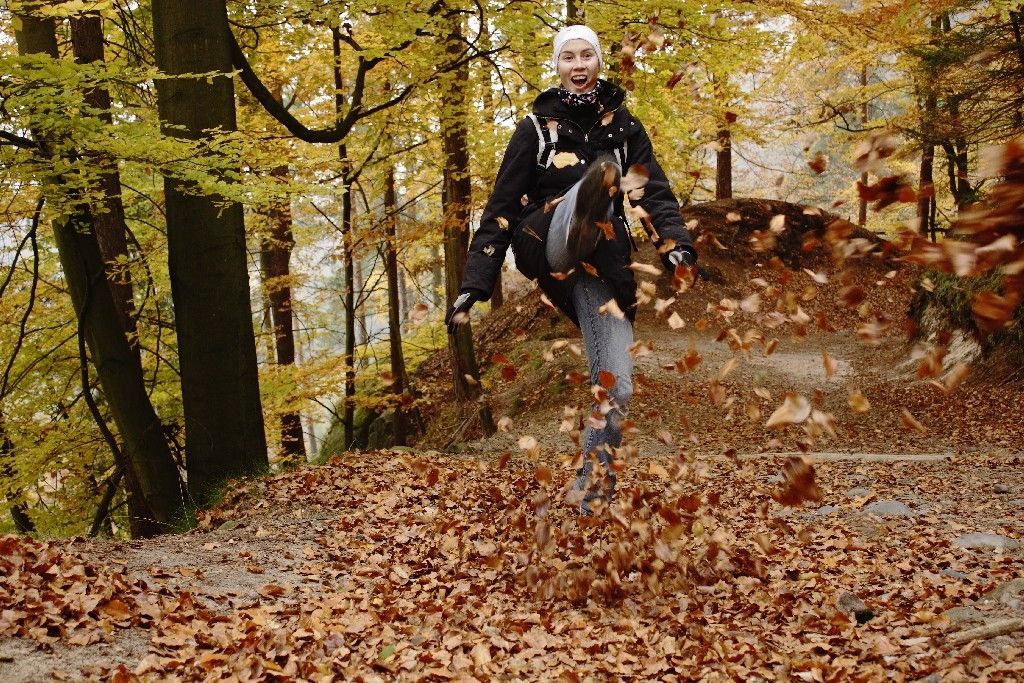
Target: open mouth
[{"x": 579, "y": 81}]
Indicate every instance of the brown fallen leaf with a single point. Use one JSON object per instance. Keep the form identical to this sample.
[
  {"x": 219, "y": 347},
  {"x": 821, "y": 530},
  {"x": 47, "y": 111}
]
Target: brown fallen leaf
[{"x": 794, "y": 410}]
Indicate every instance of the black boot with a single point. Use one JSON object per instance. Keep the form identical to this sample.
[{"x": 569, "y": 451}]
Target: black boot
[{"x": 594, "y": 198}]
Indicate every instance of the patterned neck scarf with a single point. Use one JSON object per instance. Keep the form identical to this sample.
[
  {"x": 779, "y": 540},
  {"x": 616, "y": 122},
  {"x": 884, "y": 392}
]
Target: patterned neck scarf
[{"x": 587, "y": 99}]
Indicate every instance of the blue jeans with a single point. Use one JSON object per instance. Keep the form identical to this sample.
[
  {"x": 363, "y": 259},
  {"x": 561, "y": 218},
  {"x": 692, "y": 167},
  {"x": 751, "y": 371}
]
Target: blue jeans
[{"x": 606, "y": 340}]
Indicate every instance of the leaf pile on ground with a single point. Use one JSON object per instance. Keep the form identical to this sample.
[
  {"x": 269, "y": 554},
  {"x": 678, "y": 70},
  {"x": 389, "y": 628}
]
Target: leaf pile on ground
[{"x": 386, "y": 565}]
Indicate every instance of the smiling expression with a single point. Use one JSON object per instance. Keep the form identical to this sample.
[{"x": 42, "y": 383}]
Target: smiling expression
[{"x": 578, "y": 66}]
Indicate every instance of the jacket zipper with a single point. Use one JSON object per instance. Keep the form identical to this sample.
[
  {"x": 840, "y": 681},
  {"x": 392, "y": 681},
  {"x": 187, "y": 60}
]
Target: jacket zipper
[{"x": 586, "y": 133}]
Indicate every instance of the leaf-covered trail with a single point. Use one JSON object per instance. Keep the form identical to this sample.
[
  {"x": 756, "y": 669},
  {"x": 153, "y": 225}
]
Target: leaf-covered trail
[
  {"x": 424, "y": 565},
  {"x": 387, "y": 564}
]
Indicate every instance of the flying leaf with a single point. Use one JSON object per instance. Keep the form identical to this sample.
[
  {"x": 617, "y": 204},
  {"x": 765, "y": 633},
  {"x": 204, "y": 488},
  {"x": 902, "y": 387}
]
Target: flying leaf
[
  {"x": 564, "y": 159},
  {"x": 635, "y": 178},
  {"x": 858, "y": 402},
  {"x": 727, "y": 367},
  {"x": 798, "y": 484},
  {"x": 611, "y": 307},
  {"x": 418, "y": 313},
  {"x": 820, "y": 278},
  {"x": 794, "y": 410},
  {"x": 831, "y": 365},
  {"x": 645, "y": 268},
  {"x": 886, "y": 191},
  {"x": 752, "y": 303},
  {"x": 818, "y": 163},
  {"x": 911, "y": 422}
]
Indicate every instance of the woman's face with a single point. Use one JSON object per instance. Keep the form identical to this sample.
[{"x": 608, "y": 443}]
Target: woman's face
[{"x": 578, "y": 66}]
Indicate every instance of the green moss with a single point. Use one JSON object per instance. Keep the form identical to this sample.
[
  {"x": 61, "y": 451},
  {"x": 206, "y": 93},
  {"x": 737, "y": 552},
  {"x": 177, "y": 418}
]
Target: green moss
[{"x": 951, "y": 299}]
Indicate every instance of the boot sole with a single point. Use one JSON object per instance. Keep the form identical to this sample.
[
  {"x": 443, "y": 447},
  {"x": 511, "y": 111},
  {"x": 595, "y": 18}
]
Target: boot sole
[{"x": 598, "y": 188}]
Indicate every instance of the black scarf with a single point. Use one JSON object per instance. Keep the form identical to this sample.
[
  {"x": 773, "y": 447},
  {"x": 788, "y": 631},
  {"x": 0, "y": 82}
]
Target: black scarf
[{"x": 587, "y": 99}]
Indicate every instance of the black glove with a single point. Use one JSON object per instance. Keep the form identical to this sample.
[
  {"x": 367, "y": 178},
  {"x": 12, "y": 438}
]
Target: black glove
[
  {"x": 678, "y": 257},
  {"x": 458, "y": 312}
]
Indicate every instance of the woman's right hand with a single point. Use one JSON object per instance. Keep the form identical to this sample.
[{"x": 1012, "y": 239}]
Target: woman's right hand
[{"x": 458, "y": 312}]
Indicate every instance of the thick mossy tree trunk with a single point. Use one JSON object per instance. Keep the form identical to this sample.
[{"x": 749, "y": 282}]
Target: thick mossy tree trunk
[
  {"x": 455, "y": 200},
  {"x": 153, "y": 476},
  {"x": 224, "y": 435}
]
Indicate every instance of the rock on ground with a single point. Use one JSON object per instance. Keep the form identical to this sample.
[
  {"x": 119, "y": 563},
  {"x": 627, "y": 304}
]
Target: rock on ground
[{"x": 980, "y": 541}]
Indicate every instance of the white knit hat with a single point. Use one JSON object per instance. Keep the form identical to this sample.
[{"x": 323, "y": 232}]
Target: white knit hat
[{"x": 571, "y": 33}]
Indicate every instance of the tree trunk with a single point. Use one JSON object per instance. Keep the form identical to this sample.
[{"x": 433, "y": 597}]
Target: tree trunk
[
  {"x": 926, "y": 185},
  {"x": 403, "y": 295},
  {"x": 455, "y": 201},
  {"x": 399, "y": 379},
  {"x": 862, "y": 207},
  {"x": 926, "y": 180},
  {"x": 224, "y": 435},
  {"x": 12, "y": 490},
  {"x": 108, "y": 215},
  {"x": 111, "y": 229},
  {"x": 275, "y": 256},
  {"x": 362, "y": 333},
  {"x": 723, "y": 165},
  {"x": 572, "y": 12},
  {"x": 1018, "y": 42},
  {"x": 348, "y": 418},
  {"x": 160, "y": 503},
  {"x": 498, "y": 296},
  {"x": 437, "y": 282}
]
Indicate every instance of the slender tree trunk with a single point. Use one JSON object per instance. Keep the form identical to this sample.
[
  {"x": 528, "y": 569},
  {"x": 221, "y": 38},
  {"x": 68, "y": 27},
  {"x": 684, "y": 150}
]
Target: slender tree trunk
[
  {"x": 926, "y": 185},
  {"x": 403, "y": 295},
  {"x": 362, "y": 333},
  {"x": 348, "y": 420},
  {"x": 155, "y": 484},
  {"x": 12, "y": 490},
  {"x": 275, "y": 257},
  {"x": 456, "y": 201},
  {"x": 926, "y": 180},
  {"x": 862, "y": 207},
  {"x": 498, "y": 296},
  {"x": 572, "y": 12},
  {"x": 224, "y": 435},
  {"x": 399, "y": 380},
  {"x": 723, "y": 165},
  {"x": 1018, "y": 42},
  {"x": 437, "y": 282}
]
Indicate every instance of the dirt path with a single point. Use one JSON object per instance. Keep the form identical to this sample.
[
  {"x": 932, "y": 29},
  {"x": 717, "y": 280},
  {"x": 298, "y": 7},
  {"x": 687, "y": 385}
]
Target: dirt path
[{"x": 978, "y": 418}]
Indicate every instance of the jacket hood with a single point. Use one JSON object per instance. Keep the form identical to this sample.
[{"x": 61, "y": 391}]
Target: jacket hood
[{"x": 550, "y": 105}]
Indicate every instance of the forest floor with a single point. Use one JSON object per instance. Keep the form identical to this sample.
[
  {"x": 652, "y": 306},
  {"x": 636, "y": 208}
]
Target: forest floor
[{"x": 465, "y": 559}]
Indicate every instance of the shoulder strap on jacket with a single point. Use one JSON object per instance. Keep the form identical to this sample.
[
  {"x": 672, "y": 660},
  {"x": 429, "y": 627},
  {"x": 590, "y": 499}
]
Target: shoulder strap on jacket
[{"x": 546, "y": 139}]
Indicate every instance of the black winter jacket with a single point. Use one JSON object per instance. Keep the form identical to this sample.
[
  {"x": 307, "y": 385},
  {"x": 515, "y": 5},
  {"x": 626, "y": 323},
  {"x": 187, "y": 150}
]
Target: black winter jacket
[{"x": 515, "y": 211}]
